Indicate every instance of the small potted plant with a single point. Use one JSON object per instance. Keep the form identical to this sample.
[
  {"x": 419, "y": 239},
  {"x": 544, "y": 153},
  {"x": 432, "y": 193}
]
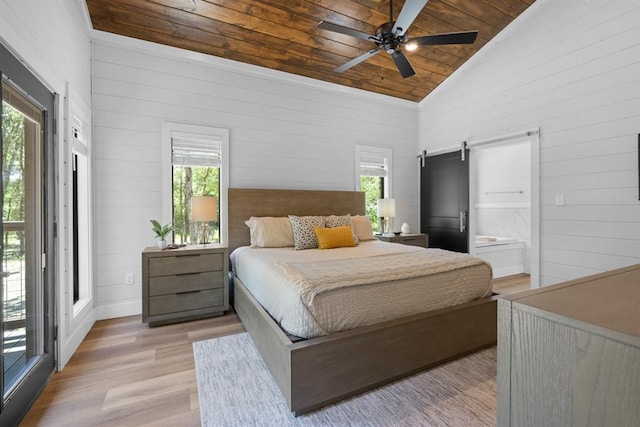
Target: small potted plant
[{"x": 161, "y": 232}]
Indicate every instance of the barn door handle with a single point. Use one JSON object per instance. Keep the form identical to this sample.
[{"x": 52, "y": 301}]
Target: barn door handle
[{"x": 463, "y": 221}]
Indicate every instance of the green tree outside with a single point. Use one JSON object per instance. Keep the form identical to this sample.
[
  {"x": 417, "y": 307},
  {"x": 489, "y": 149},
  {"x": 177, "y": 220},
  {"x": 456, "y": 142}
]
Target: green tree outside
[
  {"x": 13, "y": 169},
  {"x": 191, "y": 181},
  {"x": 372, "y": 186}
]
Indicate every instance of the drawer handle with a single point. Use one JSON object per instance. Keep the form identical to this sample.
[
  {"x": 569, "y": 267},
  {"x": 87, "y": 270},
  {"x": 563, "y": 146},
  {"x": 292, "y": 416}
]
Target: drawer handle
[
  {"x": 186, "y": 292},
  {"x": 187, "y": 274}
]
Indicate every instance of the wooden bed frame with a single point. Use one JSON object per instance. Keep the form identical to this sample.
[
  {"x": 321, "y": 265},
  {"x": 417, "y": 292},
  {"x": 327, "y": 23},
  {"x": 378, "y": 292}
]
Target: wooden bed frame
[{"x": 316, "y": 372}]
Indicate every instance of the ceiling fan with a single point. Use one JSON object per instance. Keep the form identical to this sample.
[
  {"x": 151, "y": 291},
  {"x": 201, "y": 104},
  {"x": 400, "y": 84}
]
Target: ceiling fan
[{"x": 391, "y": 36}]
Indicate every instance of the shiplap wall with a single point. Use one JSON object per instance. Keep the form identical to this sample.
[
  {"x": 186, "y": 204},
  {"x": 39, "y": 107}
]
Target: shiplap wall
[
  {"x": 53, "y": 40},
  {"x": 572, "y": 68},
  {"x": 285, "y": 132}
]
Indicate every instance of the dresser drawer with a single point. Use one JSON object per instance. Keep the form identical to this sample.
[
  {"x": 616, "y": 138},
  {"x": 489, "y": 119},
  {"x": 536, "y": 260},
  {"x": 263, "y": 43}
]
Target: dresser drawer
[
  {"x": 161, "y": 285},
  {"x": 417, "y": 239},
  {"x": 185, "y": 264},
  {"x": 173, "y": 303},
  {"x": 414, "y": 241}
]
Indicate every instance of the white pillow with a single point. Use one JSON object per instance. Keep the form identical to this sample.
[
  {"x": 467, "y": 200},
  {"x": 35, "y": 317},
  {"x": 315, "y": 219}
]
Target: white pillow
[
  {"x": 362, "y": 226},
  {"x": 270, "y": 232}
]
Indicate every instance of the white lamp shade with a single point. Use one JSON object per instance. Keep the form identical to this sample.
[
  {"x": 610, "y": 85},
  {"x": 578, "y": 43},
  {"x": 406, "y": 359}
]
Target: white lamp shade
[
  {"x": 386, "y": 208},
  {"x": 204, "y": 209}
]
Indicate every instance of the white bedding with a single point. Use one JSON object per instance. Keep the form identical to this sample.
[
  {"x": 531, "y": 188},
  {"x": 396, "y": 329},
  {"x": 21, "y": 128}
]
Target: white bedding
[{"x": 315, "y": 292}]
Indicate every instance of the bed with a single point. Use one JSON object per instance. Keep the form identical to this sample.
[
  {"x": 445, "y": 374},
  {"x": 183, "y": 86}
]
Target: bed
[{"x": 314, "y": 372}]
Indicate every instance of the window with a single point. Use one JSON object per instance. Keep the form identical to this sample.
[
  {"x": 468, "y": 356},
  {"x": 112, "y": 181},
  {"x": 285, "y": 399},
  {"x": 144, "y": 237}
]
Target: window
[
  {"x": 80, "y": 209},
  {"x": 197, "y": 165},
  {"x": 373, "y": 177}
]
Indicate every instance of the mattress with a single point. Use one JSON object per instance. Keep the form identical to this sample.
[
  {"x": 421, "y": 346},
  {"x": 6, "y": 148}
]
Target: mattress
[{"x": 314, "y": 292}]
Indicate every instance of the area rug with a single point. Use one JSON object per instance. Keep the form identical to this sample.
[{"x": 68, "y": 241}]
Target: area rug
[{"x": 235, "y": 388}]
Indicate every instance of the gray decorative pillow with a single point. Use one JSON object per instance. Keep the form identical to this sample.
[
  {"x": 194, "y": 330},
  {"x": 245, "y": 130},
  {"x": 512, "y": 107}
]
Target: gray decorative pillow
[
  {"x": 303, "y": 235},
  {"x": 332, "y": 221}
]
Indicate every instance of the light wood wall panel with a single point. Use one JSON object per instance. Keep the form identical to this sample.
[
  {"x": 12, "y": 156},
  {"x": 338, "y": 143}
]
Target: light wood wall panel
[
  {"x": 572, "y": 69},
  {"x": 286, "y": 132}
]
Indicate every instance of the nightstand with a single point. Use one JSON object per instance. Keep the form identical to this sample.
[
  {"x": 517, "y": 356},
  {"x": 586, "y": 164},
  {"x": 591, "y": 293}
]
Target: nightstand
[
  {"x": 407, "y": 239},
  {"x": 184, "y": 284}
]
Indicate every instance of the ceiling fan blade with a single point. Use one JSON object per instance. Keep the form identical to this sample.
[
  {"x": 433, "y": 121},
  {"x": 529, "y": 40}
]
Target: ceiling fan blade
[
  {"x": 466, "y": 37},
  {"x": 402, "y": 63},
  {"x": 324, "y": 25},
  {"x": 408, "y": 14},
  {"x": 356, "y": 61}
]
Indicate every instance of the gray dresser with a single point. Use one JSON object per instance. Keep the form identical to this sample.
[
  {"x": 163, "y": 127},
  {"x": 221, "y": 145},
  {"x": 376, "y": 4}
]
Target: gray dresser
[
  {"x": 569, "y": 354},
  {"x": 184, "y": 284}
]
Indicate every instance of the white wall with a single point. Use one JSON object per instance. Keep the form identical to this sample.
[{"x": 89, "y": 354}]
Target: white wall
[
  {"x": 51, "y": 37},
  {"x": 571, "y": 68},
  {"x": 285, "y": 132}
]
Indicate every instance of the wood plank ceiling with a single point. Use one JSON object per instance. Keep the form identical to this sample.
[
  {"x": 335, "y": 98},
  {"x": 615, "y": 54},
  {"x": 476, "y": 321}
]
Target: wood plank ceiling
[{"x": 283, "y": 35}]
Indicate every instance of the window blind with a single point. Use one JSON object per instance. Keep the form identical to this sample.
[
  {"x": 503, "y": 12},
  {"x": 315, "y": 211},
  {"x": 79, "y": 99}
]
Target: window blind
[
  {"x": 373, "y": 164},
  {"x": 192, "y": 151}
]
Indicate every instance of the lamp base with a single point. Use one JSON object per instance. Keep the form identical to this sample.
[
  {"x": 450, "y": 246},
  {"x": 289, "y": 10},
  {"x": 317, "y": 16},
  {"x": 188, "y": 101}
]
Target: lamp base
[
  {"x": 387, "y": 226},
  {"x": 204, "y": 234}
]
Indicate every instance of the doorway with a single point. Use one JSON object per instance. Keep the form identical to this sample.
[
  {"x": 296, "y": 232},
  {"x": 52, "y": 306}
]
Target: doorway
[
  {"x": 448, "y": 215},
  {"x": 27, "y": 297},
  {"x": 504, "y": 204}
]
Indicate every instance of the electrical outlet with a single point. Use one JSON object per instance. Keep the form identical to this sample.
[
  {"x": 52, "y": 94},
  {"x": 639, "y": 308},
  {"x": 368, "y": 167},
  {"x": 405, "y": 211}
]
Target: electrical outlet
[
  {"x": 559, "y": 199},
  {"x": 128, "y": 278}
]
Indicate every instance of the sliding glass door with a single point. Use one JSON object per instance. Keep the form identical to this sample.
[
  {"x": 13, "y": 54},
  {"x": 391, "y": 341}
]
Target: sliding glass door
[
  {"x": 26, "y": 292},
  {"x": 21, "y": 272}
]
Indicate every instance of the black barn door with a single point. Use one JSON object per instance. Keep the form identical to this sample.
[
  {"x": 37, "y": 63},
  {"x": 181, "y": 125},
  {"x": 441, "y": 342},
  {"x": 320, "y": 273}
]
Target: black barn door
[{"x": 444, "y": 200}]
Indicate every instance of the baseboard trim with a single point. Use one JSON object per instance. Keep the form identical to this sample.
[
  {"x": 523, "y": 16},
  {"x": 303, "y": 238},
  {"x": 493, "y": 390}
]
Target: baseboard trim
[{"x": 122, "y": 309}]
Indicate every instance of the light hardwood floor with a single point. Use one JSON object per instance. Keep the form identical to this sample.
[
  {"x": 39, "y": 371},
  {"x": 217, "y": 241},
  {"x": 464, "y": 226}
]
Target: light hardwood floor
[
  {"x": 127, "y": 374},
  {"x": 512, "y": 284}
]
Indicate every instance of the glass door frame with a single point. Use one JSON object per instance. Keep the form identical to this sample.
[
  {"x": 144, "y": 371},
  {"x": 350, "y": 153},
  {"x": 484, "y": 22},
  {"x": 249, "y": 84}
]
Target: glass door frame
[{"x": 14, "y": 406}]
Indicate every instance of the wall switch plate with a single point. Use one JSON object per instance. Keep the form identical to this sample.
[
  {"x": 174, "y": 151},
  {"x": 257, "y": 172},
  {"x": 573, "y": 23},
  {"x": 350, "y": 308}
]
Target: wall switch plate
[
  {"x": 128, "y": 278},
  {"x": 559, "y": 199}
]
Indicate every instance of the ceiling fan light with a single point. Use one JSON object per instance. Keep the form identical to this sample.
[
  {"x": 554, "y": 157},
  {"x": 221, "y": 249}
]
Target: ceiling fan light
[{"x": 411, "y": 46}]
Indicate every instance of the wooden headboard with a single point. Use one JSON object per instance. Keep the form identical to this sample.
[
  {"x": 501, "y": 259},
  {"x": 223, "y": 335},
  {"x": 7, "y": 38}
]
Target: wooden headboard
[{"x": 247, "y": 202}]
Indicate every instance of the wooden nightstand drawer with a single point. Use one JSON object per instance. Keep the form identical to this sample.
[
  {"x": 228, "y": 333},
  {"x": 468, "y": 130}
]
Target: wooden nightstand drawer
[
  {"x": 421, "y": 240},
  {"x": 173, "y": 303},
  {"x": 185, "y": 264},
  {"x": 415, "y": 241},
  {"x": 187, "y": 282}
]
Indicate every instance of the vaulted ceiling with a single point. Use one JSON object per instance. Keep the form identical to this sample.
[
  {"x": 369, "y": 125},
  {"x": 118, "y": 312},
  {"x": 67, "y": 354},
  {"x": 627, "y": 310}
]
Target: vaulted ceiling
[{"x": 284, "y": 35}]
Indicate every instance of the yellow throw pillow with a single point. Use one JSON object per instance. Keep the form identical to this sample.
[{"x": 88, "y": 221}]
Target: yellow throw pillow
[{"x": 336, "y": 237}]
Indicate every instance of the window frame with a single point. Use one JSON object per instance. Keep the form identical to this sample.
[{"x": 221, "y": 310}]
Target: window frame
[
  {"x": 387, "y": 154},
  {"x": 169, "y": 129},
  {"x": 362, "y": 152},
  {"x": 79, "y": 140}
]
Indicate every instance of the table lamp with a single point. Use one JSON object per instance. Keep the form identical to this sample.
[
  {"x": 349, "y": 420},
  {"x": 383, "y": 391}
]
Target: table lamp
[
  {"x": 386, "y": 210},
  {"x": 204, "y": 209}
]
